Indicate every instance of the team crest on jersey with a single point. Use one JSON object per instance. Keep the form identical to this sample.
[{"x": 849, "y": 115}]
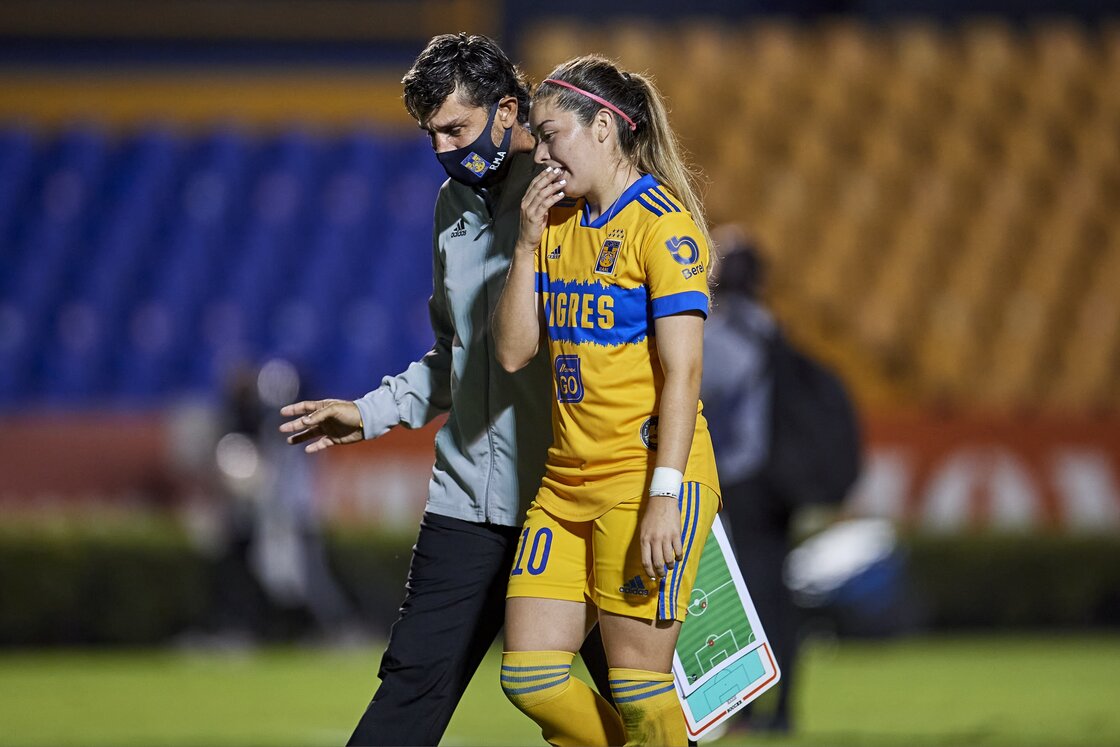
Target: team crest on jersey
[
  {"x": 555, "y": 253},
  {"x": 476, "y": 163},
  {"x": 649, "y": 433},
  {"x": 608, "y": 255}
]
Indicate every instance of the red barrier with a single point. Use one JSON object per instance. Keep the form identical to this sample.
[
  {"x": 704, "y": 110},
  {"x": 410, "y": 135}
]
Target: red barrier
[
  {"x": 963, "y": 473},
  {"x": 944, "y": 474},
  {"x": 48, "y": 459}
]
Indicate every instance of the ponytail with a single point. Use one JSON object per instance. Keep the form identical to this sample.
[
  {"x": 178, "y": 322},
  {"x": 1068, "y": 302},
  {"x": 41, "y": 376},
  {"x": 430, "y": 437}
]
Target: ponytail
[{"x": 657, "y": 151}]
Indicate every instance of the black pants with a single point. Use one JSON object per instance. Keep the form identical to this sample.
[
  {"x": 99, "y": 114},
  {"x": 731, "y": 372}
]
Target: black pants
[
  {"x": 760, "y": 531},
  {"x": 453, "y": 609}
]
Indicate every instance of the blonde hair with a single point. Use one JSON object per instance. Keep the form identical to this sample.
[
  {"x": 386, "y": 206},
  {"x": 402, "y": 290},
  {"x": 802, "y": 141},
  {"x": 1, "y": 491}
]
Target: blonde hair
[{"x": 651, "y": 145}]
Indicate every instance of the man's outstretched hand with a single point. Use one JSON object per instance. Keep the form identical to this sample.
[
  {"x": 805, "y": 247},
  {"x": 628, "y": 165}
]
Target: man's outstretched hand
[{"x": 323, "y": 422}]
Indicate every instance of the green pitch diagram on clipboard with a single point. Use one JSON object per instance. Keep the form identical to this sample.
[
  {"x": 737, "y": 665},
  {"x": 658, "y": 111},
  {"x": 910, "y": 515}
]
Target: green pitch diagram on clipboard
[{"x": 723, "y": 660}]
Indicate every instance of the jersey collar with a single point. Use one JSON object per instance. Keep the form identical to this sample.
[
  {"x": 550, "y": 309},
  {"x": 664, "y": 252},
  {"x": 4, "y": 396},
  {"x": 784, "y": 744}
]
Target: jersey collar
[{"x": 647, "y": 181}]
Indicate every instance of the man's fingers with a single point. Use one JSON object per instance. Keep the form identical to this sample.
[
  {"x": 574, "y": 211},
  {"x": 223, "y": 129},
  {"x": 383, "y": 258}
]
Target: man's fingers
[
  {"x": 312, "y": 419},
  {"x": 305, "y": 435},
  {"x": 300, "y": 408},
  {"x": 323, "y": 443},
  {"x": 292, "y": 426}
]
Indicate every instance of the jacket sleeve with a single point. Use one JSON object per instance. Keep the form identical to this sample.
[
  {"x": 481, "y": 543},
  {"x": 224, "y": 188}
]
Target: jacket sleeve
[{"x": 421, "y": 392}]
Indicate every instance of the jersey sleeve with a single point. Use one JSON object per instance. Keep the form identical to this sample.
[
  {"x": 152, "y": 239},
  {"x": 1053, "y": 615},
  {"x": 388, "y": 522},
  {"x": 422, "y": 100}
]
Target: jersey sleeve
[{"x": 676, "y": 259}]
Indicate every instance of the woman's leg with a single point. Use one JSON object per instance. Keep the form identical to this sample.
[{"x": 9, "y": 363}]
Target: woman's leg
[
  {"x": 640, "y": 653},
  {"x": 640, "y": 618},
  {"x": 535, "y": 624},
  {"x": 547, "y": 620}
]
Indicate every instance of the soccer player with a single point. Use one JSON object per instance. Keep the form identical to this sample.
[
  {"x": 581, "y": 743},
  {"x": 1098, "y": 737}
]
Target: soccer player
[
  {"x": 615, "y": 283},
  {"x": 474, "y": 104}
]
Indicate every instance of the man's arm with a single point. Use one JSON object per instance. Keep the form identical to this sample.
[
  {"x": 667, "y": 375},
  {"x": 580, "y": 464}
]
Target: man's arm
[
  {"x": 416, "y": 396},
  {"x": 412, "y": 398}
]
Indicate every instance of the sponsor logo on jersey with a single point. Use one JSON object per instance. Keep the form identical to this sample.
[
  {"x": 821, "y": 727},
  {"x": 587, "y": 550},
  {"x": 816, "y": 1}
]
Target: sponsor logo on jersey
[
  {"x": 691, "y": 272},
  {"x": 459, "y": 230},
  {"x": 569, "y": 381},
  {"x": 635, "y": 587},
  {"x": 649, "y": 433},
  {"x": 608, "y": 255},
  {"x": 476, "y": 163},
  {"x": 555, "y": 253},
  {"x": 684, "y": 249}
]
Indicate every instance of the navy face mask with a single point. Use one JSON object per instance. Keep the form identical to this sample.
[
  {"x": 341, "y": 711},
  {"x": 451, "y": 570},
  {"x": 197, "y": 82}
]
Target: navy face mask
[{"x": 481, "y": 163}]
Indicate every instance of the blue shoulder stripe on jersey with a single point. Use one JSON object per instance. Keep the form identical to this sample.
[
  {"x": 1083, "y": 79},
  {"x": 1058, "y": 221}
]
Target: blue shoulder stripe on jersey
[
  {"x": 678, "y": 302},
  {"x": 660, "y": 192},
  {"x": 646, "y": 182},
  {"x": 595, "y": 313},
  {"x": 650, "y": 206},
  {"x": 660, "y": 199}
]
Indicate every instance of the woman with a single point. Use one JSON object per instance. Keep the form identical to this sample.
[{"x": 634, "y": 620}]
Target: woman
[{"x": 611, "y": 261}]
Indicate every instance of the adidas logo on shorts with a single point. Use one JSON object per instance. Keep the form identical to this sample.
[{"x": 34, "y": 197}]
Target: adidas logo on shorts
[{"x": 635, "y": 586}]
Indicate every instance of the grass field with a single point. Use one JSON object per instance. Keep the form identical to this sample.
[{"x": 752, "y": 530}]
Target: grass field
[{"x": 1014, "y": 691}]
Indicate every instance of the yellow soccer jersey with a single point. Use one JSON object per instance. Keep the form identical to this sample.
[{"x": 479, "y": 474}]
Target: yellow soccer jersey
[{"x": 602, "y": 283}]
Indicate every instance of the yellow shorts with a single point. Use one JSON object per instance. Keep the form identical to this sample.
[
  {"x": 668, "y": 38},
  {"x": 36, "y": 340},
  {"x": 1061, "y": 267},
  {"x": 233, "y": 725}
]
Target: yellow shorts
[{"x": 601, "y": 560}]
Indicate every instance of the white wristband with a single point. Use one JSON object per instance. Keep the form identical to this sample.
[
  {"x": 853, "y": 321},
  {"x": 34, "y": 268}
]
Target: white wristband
[{"x": 666, "y": 481}]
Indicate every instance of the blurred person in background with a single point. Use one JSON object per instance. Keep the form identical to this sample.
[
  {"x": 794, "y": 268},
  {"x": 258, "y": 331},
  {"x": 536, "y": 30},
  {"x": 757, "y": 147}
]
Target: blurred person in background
[
  {"x": 272, "y": 576},
  {"x": 785, "y": 437},
  {"x": 473, "y": 103}
]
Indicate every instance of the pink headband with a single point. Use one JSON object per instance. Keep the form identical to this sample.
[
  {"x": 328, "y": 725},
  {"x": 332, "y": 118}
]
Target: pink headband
[{"x": 596, "y": 99}]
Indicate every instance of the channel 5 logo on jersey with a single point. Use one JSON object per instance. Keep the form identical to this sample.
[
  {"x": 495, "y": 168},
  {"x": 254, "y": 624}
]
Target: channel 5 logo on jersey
[{"x": 684, "y": 249}]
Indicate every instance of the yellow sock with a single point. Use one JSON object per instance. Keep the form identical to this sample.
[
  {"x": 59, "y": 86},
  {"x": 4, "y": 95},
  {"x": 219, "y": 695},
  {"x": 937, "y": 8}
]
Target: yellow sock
[
  {"x": 569, "y": 712},
  {"x": 650, "y": 710}
]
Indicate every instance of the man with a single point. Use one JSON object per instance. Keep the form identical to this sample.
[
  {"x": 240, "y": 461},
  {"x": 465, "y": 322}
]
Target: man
[
  {"x": 737, "y": 391},
  {"x": 785, "y": 436},
  {"x": 474, "y": 105}
]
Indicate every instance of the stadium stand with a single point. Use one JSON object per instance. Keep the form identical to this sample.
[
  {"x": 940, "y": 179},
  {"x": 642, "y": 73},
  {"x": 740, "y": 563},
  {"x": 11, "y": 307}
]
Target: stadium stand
[
  {"x": 137, "y": 265},
  {"x": 940, "y": 205}
]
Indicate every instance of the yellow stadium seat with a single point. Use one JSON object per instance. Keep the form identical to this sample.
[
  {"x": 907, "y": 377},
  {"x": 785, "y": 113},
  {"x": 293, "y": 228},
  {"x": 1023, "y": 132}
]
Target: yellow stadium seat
[{"x": 939, "y": 204}]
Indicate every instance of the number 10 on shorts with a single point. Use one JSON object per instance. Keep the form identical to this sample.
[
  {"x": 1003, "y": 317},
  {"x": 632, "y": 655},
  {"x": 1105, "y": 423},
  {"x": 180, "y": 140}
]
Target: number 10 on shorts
[
  {"x": 569, "y": 382},
  {"x": 538, "y": 555}
]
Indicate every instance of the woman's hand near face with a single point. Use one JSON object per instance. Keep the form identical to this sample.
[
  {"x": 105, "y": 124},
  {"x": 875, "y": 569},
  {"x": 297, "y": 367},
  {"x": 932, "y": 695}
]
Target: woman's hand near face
[
  {"x": 546, "y": 189},
  {"x": 517, "y": 318}
]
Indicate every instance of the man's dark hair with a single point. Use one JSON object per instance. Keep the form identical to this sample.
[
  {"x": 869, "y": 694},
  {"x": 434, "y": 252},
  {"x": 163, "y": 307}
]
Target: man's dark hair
[{"x": 470, "y": 61}]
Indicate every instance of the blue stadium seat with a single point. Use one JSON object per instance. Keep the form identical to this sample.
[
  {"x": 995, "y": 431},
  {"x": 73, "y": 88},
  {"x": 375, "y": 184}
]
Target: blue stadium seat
[
  {"x": 136, "y": 267},
  {"x": 17, "y": 160}
]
